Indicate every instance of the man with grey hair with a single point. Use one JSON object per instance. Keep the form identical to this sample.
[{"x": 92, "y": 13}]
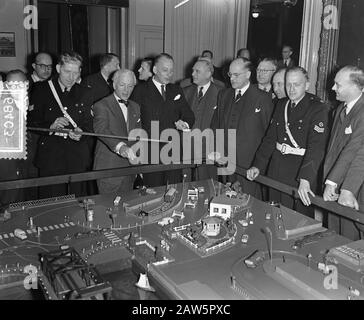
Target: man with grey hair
[
  {"x": 265, "y": 71},
  {"x": 344, "y": 162},
  {"x": 202, "y": 98},
  {"x": 61, "y": 103},
  {"x": 116, "y": 115}
]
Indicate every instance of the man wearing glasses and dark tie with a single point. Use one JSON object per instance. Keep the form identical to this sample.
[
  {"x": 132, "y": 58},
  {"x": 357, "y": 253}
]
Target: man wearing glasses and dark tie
[{"x": 248, "y": 110}]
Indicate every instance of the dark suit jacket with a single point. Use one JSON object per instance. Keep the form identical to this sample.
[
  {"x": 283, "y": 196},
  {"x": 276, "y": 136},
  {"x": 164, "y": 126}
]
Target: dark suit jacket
[
  {"x": 254, "y": 111},
  {"x": 343, "y": 163},
  {"x": 308, "y": 123},
  {"x": 203, "y": 110},
  {"x": 100, "y": 88},
  {"x": 281, "y": 64},
  {"x": 109, "y": 119},
  {"x": 154, "y": 108},
  {"x": 55, "y": 152}
]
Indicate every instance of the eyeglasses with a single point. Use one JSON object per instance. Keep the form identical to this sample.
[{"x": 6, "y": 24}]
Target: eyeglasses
[
  {"x": 230, "y": 75},
  {"x": 44, "y": 66},
  {"x": 265, "y": 70}
]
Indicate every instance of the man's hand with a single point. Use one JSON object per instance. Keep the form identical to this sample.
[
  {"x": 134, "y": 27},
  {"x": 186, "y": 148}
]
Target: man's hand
[
  {"x": 60, "y": 123},
  {"x": 252, "y": 173},
  {"x": 127, "y": 152},
  {"x": 347, "y": 199},
  {"x": 74, "y": 136},
  {"x": 329, "y": 193},
  {"x": 182, "y": 125},
  {"x": 303, "y": 190}
]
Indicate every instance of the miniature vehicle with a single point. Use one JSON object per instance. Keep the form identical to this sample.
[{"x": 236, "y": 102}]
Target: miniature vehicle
[
  {"x": 244, "y": 238},
  {"x": 117, "y": 201},
  {"x": 244, "y": 223},
  {"x": 192, "y": 194},
  {"x": 170, "y": 194},
  {"x": 165, "y": 221},
  {"x": 255, "y": 259},
  {"x": 19, "y": 233},
  {"x": 231, "y": 194},
  {"x": 190, "y": 205}
]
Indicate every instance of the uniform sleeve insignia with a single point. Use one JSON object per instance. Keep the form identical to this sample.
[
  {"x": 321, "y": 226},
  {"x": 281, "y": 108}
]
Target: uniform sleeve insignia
[
  {"x": 318, "y": 129},
  {"x": 321, "y": 124}
]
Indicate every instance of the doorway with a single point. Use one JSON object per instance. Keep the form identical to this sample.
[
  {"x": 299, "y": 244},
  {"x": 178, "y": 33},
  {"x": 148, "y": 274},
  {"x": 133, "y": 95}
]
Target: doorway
[
  {"x": 276, "y": 25},
  {"x": 87, "y": 29}
]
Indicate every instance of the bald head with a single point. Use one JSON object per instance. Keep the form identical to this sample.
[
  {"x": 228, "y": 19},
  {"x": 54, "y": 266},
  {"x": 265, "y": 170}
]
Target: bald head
[
  {"x": 239, "y": 72},
  {"x": 124, "y": 82},
  {"x": 349, "y": 83},
  {"x": 43, "y": 65}
]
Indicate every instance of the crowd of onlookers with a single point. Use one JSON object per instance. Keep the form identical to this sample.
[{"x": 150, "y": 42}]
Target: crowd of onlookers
[{"x": 281, "y": 130}]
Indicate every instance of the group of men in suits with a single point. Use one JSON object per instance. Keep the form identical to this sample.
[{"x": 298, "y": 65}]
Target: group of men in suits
[{"x": 288, "y": 142}]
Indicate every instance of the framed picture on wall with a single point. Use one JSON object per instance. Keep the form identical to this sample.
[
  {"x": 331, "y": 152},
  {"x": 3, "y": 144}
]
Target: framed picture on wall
[{"x": 7, "y": 44}]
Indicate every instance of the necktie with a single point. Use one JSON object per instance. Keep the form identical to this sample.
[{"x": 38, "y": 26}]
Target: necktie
[
  {"x": 293, "y": 105},
  {"x": 343, "y": 113},
  {"x": 123, "y": 101},
  {"x": 200, "y": 94},
  {"x": 238, "y": 96},
  {"x": 286, "y": 63},
  {"x": 163, "y": 87}
]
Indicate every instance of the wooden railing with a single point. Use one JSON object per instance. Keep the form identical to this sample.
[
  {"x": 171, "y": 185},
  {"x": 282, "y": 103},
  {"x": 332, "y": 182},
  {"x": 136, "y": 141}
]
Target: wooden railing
[{"x": 98, "y": 174}]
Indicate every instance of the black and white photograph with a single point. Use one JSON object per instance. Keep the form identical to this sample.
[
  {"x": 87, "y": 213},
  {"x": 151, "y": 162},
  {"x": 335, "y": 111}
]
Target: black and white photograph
[{"x": 182, "y": 156}]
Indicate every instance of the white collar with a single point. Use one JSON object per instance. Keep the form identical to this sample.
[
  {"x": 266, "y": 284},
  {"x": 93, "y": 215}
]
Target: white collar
[
  {"x": 159, "y": 85},
  {"x": 242, "y": 90},
  {"x": 298, "y": 101},
  {"x": 351, "y": 104},
  {"x": 35, "y": 77},
  {"x": 204, "y": 88}
]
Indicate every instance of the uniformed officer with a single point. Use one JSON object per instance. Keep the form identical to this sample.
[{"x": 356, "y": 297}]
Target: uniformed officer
[
  {"x": 62, "y": 103},
  {"x": 295, "y": 143}
]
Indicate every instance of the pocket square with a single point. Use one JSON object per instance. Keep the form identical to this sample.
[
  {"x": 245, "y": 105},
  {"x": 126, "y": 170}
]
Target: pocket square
[
  {"x": 215, "y": 107},
  {"x": 348, "y": 130},
  {"x": 138, "y": 120},
  {"x": 177, "y": 97},
  {"x": 257, "y": 110}
]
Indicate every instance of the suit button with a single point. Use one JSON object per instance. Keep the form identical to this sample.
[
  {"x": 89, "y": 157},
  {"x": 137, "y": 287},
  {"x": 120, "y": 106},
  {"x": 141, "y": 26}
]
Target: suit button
[
  {"x": 65, "y": 108},
  {"x": 285, "y": 139}
]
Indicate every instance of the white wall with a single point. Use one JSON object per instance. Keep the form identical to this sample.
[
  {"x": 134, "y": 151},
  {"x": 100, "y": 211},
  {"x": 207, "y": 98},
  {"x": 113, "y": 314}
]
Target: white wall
[{"x": 11, "y": 20}]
